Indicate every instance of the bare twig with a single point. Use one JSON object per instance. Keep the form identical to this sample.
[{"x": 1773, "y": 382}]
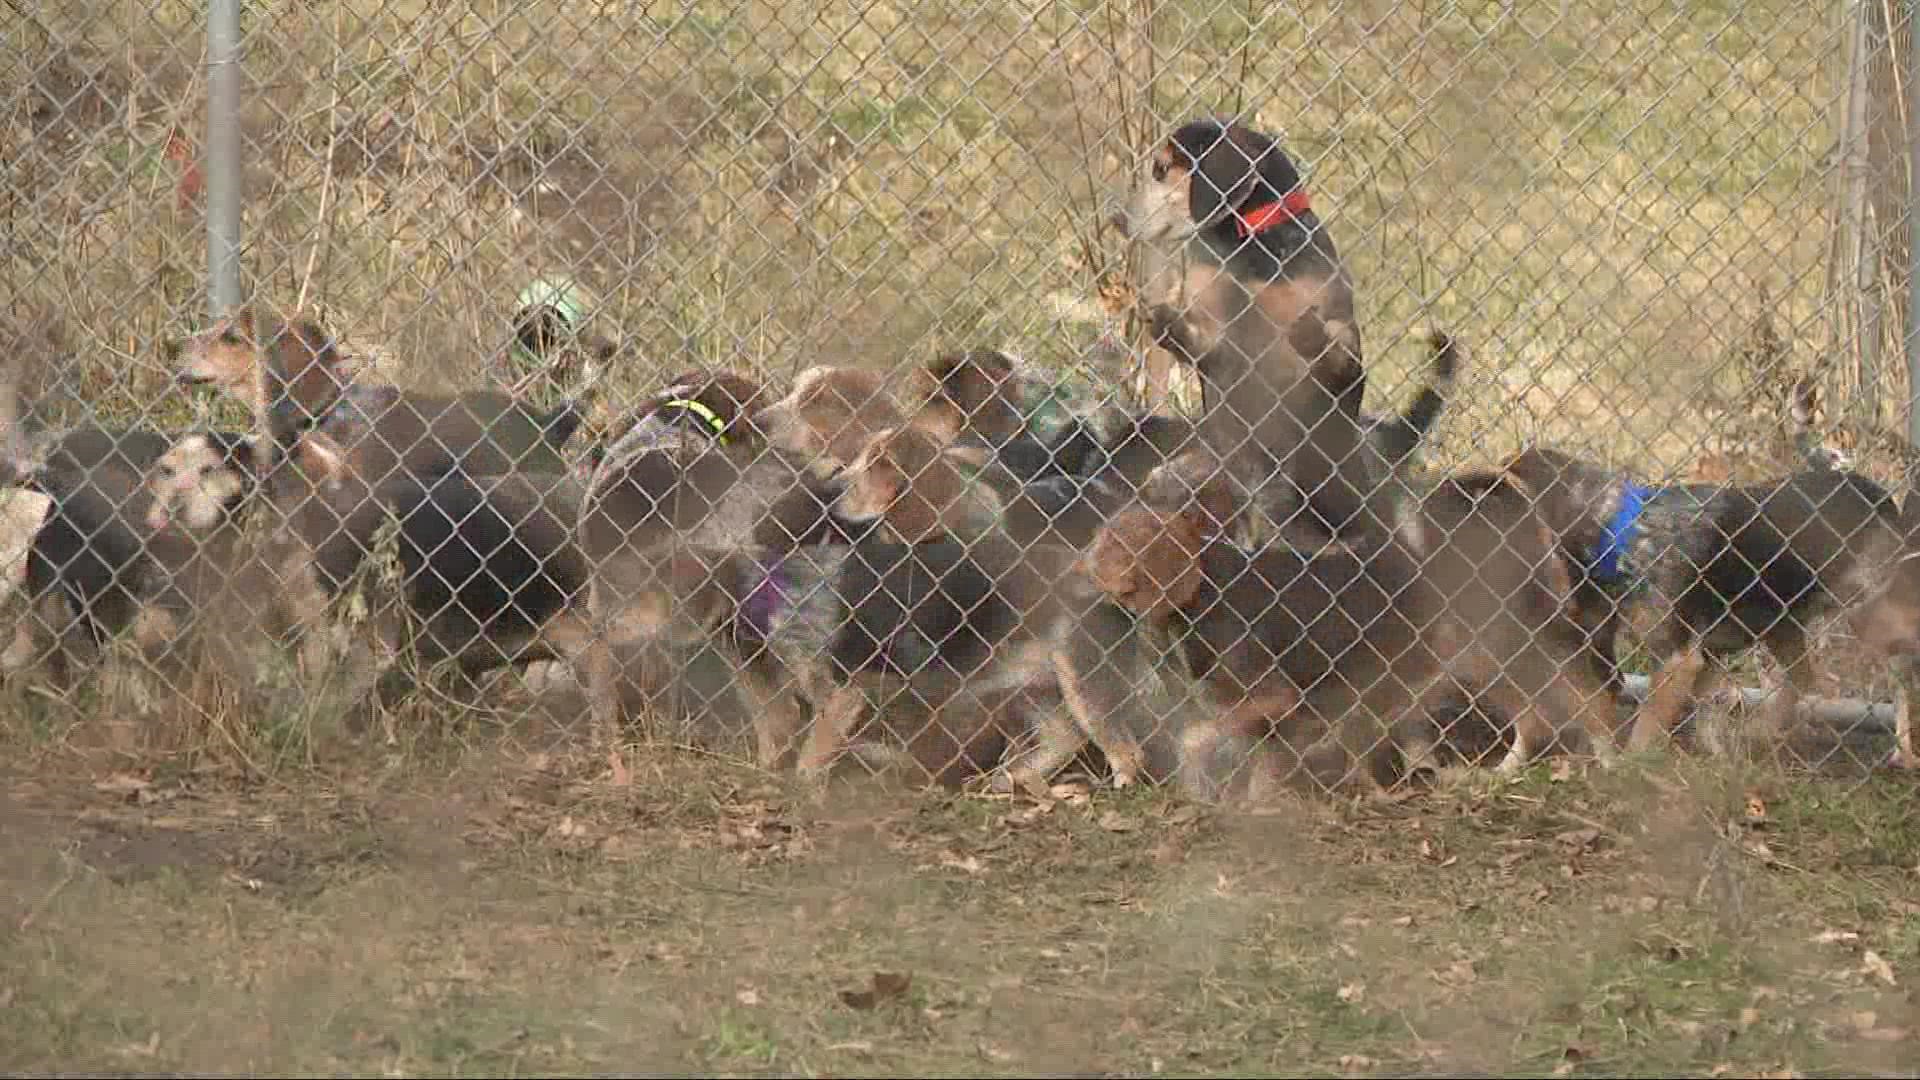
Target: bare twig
[{"x": 323, "y": 236}]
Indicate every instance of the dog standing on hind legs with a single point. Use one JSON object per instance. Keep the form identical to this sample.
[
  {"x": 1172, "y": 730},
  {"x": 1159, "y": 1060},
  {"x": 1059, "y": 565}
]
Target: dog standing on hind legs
[{"x": 1233, "y": 240}]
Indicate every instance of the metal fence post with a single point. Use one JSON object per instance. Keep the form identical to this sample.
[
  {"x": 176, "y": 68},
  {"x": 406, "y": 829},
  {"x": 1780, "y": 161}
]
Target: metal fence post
[
  {"x": 223, "y": 155},
  {"x": 1913, "y": 227}
]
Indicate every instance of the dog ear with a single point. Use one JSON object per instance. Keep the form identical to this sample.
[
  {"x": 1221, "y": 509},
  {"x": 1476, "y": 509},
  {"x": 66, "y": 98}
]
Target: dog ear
[
  {"x": 1225, "y": 171},
  {"x": 1234, "y": 167},
  {"x": 1277, "y": 173}
]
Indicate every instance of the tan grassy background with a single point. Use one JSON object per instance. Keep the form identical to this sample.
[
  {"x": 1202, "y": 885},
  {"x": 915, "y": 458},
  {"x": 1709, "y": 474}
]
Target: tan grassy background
[{"x": 1601, "y": 200}]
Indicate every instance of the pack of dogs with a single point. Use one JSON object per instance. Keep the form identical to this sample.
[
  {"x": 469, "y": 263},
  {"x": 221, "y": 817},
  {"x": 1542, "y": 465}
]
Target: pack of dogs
[{"x": 941, "y": 571}]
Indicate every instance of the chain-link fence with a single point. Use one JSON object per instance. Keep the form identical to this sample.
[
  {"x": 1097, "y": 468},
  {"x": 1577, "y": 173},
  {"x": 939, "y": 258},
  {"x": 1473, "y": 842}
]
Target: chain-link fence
[{"x": 938, "y": 379}]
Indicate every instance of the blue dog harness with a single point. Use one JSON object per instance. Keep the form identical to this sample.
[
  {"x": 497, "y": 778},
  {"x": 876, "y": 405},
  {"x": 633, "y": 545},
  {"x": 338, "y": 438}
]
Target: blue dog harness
[{"x": 1620, "y": 531}]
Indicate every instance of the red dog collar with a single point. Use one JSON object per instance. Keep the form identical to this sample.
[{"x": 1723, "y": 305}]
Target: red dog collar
[{"x": 1261, "y": 218}]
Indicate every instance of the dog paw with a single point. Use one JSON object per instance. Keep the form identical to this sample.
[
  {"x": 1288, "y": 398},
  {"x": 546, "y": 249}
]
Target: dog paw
[
  {"x": 1169, "y": 328},
  {"x": 1424, "y": 776}
]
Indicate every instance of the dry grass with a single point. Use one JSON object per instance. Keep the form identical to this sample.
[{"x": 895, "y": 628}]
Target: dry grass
[
  {"x": 1600, "y": 201},
  {"x": 1593, "y": 198}
]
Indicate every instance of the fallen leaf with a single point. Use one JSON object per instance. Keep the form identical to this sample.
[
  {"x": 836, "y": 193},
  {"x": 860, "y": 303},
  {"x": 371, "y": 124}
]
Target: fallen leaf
[
  {"x": 970, "y": 864},
  {"x": 121, "y": 783},
  {"x": 1749, "y": 1016},
  {"x": 622, "y": 777},
  {"x": 1031, "y": 812},
  {"x": 1115, "y": 821},
  {"x": 250, "y": 884},
  {"x": 1885, "y": 1034},
  {"x": 1877, "y": 966},
  {"x": 1357, "y": 1062},
  {"x": 1185, "y": 815},
  {"x": 1578, "y": 839},
  {"x": 1831, "y": 937},
  {"x": 882, "y": 986},
  {"x": 1560, "y": 771},
  {"x": 1458, "y": 973},
  {"x": 1756, "y": 810},
  {"x": 1403, "y": 921},
  {"x": 1352, "y": 993},
  {"x": 748, "y": 998},
  {"x": 147, "y": 1049}
]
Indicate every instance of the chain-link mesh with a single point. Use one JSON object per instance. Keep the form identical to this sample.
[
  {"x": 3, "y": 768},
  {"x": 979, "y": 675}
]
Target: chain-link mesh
[{"x": 940, "y": 383}]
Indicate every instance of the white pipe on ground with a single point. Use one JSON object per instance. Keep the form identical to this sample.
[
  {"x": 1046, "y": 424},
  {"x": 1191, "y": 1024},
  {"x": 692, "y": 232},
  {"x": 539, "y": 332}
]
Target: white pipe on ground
[{"x": 1870, "y": 716}]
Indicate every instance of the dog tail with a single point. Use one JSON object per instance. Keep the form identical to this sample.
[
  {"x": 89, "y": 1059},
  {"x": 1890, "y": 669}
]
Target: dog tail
[
  {"x": 1401, "y": 436},
  {"x": 1816, "y": 453}
]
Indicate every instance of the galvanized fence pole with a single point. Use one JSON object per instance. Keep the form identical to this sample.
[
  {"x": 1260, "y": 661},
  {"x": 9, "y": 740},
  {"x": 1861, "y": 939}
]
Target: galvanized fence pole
[
  {"x": 223, "y": 155},
  {"x": 1913, "y": 228}
]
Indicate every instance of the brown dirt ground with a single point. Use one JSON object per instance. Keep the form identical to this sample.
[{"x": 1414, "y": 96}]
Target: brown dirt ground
[{"x": 503, "y": 909}]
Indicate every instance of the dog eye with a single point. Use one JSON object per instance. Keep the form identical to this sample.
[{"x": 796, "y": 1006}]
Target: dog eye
[{"x": 1159, "y": 171}]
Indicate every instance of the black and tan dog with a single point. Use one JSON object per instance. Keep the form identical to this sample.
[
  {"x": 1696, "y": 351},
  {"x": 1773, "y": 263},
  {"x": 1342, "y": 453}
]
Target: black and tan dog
[
  {"x": 93, "y": 561},
  {"x": 487, "y": 572},
  {"x": 938, "y": 602},
  {"x": 980, "y": 398},
  {"x": 1468, "y": 594},
  {"x": 697, "y": 481},
  {"x": 292, "y": 376},
  {"x": 106, "y": 558},
  {"x": 1720, "y": 570},
  {"x": 1238, "y": 247},
  {"x": 1058, "y": 485},
  {"x": 1261, "y": 305},
  {"x": 919, "y": 594}
]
